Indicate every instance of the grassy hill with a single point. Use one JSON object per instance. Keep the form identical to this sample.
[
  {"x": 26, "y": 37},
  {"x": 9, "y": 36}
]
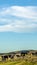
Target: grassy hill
[{"x": 28, "y": 59}]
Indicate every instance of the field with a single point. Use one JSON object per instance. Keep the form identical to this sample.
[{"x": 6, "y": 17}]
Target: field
[
  {"x": 18, "y": 62},
  {"x": 24, "y": 59}
]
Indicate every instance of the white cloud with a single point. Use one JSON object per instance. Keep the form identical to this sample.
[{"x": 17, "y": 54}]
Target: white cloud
[
  {"x": 19, "y": 19},
  {"x": 26, "y": 11}
]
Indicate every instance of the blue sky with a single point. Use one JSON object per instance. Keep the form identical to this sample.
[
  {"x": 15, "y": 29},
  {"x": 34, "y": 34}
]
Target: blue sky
[{"x": 18, "y": 25}]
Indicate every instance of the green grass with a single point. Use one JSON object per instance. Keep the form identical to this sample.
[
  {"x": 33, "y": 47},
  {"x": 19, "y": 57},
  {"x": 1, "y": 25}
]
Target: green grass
[{"x": 19, "y": 62}]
